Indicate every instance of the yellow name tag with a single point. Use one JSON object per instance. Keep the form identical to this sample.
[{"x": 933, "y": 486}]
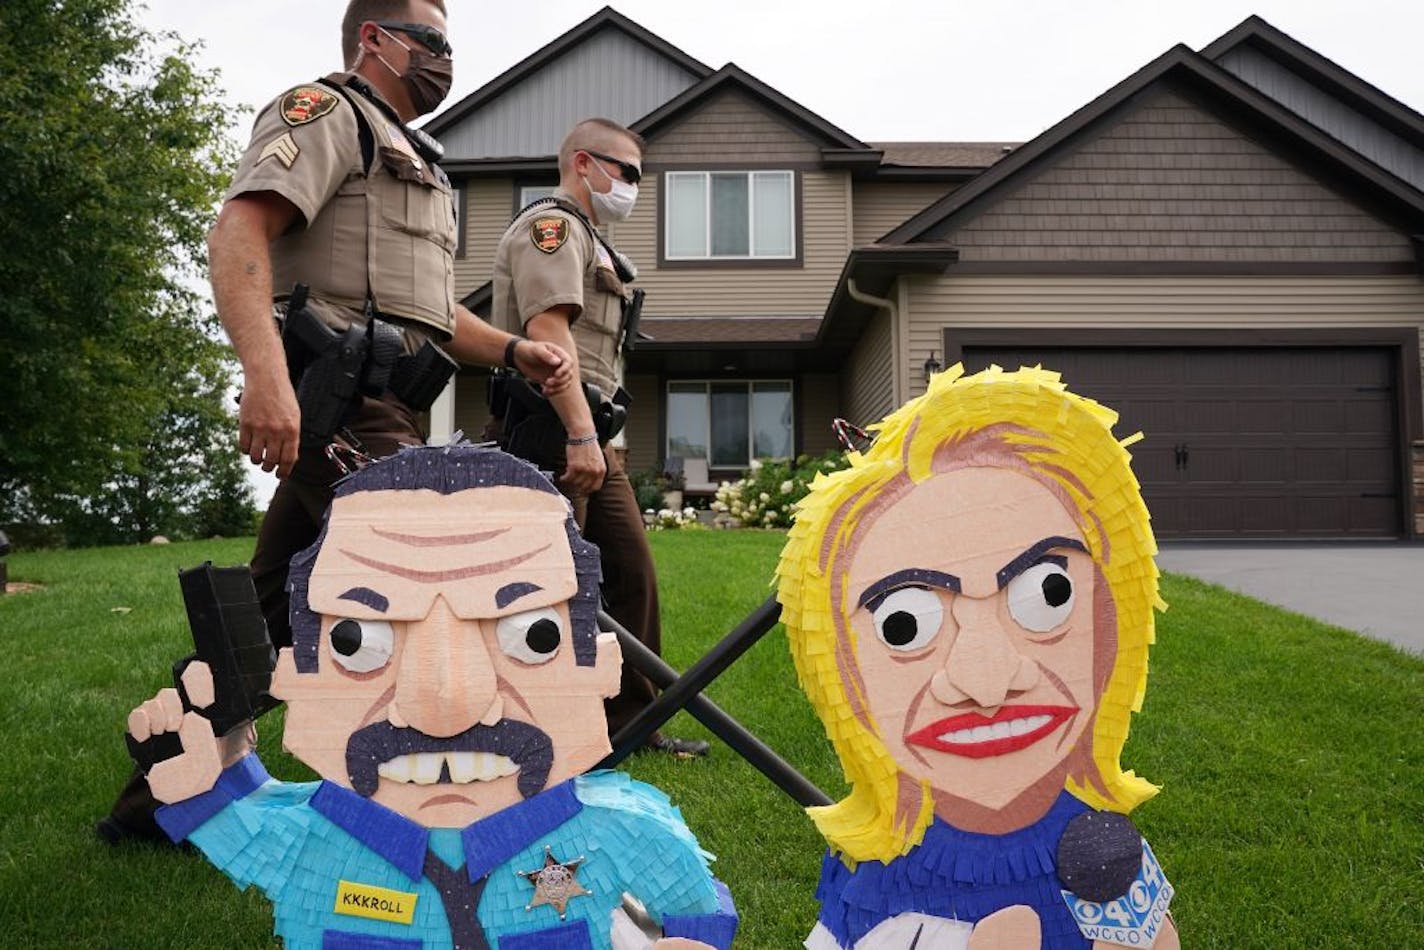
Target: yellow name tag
[{"x": 377, "y": 903}]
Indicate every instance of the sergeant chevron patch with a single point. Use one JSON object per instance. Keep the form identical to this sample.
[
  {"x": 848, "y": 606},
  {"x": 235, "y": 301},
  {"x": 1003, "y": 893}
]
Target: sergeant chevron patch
[{"x": 283, "y": 150}]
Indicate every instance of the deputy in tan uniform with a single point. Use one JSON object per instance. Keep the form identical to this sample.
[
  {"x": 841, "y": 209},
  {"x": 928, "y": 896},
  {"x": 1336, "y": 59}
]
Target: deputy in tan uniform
[
  {"x": 336, "y": 192},
  {"x": 558, "y": 281}
]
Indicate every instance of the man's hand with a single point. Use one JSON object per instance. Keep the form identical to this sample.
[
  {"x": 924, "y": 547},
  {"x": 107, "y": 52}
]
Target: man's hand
[
  {"x": 196, "y": 769},
  {"x": 545, "y": 363},
  {"x": 584, "y": 469},
  {"x": 269, "y": 424}
]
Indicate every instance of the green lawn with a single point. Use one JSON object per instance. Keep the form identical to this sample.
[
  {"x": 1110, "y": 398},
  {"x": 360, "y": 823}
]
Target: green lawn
[{"x": 1292, "y": 813}]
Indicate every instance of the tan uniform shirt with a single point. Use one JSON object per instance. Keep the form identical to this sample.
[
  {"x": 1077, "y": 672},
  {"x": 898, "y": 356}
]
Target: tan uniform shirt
[
  {"x": 547, "y": 257},
  {"x": 387, "y": 232}
]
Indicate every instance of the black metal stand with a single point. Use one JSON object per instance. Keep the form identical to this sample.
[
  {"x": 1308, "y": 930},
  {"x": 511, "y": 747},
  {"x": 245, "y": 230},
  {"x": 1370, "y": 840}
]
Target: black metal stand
[{"x": 685, "y": 691}]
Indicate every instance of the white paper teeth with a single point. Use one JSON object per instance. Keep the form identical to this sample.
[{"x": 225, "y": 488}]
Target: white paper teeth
[
  {"x": 424, "y": 768},
  {"x": 999, "y": 730}
]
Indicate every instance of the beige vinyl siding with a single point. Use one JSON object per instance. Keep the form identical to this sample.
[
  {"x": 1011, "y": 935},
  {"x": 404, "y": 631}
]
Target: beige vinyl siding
[
  {"x": 820, "y": 403},
  {"x": 1171, "y": 182},
  {"x": 489, "y": 205},
  {"x": 867, "y": 385},
  {"x": 641, "y": 432},
  {"x": 1152, "y": 303},
  {"x": 881, "y": 207},
  {"x": 730, "y": 127},
  {"x": 725, "y": 291}
]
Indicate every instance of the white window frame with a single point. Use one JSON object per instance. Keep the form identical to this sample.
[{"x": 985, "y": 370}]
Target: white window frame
[
  {"x": 525, "y": 200},
  {"x": 706, "y": 176},
  {"x": 707, "y": 385},
  {"x": 457, "y": 196}
]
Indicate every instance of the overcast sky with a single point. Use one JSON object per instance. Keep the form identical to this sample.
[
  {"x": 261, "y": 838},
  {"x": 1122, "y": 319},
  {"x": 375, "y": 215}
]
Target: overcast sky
[{"x": 887, "y": 70}]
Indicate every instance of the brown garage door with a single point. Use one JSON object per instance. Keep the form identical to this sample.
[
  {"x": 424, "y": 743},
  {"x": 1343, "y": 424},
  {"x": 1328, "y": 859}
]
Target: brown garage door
[{"x": 1250, "y": 442}]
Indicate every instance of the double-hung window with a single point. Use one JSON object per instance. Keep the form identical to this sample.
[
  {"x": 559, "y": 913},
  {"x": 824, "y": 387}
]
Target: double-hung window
[
  {"x": 729, "y": 423},
  {"x": 731, "y": 215}
]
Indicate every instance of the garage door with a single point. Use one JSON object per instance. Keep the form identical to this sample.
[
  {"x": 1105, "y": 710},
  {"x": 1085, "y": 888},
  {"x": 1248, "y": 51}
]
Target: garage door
[{"x": 1250, "y": 442}]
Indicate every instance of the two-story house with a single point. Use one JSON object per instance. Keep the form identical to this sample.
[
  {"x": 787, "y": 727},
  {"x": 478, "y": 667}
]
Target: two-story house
[{"x": 1224, "y": 247}]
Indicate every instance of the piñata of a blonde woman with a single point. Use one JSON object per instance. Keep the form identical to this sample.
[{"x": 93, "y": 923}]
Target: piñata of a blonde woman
[
  {"x": 446, "y": 682},
  {"x": 969, "y": 606}
]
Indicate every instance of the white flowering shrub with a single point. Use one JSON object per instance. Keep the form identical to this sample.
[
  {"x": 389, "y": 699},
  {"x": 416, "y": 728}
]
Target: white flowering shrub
[
  {"x": 666, "y": 519},
  {"x": 767, "y": 494}
]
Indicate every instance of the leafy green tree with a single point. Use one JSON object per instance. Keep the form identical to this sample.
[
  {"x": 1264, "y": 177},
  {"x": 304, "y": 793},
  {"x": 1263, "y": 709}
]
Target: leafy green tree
[{"x": 112, "y": 380}]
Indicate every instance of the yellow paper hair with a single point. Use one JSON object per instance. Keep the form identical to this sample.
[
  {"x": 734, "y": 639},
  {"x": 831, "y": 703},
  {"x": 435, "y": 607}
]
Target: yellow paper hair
[{"x": 1061, "y": 436}]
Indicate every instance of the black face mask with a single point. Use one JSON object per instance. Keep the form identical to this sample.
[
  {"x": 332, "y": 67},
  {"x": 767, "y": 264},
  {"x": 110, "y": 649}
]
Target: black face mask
[{"x": 427, "y": 79}]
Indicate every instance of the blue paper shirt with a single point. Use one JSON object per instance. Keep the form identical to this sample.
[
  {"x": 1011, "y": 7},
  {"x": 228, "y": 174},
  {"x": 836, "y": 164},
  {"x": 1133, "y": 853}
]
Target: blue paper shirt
[
  {"x": 298, "y": 841},
  {"x": 958, "y": 875}
]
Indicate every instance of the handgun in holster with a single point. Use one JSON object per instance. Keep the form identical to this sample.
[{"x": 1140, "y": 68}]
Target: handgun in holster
[
  {"x": 332, "y": 369},
  {"x": 531, "y": 428},
  {"x": 230, "y": 636}
]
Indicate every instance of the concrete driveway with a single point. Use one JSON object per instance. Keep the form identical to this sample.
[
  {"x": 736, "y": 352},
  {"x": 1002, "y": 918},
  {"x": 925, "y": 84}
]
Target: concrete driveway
[{"x": 1373, "y": 588}]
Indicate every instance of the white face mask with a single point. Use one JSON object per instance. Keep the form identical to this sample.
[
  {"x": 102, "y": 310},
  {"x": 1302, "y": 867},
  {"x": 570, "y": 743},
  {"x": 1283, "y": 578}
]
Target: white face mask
[{"x": 617, "y": 203}]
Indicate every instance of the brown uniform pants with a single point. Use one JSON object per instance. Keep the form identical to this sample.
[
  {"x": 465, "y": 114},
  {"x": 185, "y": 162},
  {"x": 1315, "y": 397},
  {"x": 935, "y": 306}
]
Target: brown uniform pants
[
  {"x": 610, "y": 519},
  {"x": 294, "y": 517}
]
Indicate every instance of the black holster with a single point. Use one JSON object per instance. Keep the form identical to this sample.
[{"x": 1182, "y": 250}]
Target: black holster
[
  {"x": 531, "y": 429},
  {"x": 330, "y": 370}
]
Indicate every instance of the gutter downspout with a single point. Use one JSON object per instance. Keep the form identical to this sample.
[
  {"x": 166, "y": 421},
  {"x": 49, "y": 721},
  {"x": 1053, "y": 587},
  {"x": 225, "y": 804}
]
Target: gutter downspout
[{"x": 897, "y": 363}]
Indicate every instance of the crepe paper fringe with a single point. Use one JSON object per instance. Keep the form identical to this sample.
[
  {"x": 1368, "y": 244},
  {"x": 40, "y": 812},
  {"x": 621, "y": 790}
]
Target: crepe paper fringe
[
  {"x": 716, "y": 929},
  {"x": 957, "y": 875},
  {"x": 1052, "y": 427},
  {"x": 295, "y": 840}
]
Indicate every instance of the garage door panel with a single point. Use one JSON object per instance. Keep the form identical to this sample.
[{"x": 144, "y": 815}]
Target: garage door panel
[
  {"x": 1260, "y": 416},
  {"x": 1374, "y": 416},
  {"x": 1317, "y": 415},
  {"x": 1323, "y": 515},
  {"x": 1267, "y": 516},
  {"x": 1264, "y": 465},
  {"x": 1279, "y": 441},
  {"x": 1209, "y": 416},
  {"x": 1365, "y": 468},
  {"x": 1213, "y": 464}
]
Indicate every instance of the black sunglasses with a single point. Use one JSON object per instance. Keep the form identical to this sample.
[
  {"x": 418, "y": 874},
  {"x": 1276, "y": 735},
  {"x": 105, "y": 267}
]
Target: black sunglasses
[
  {"x": 630, "y": 173},
  {"x": 428, "y": 36}
]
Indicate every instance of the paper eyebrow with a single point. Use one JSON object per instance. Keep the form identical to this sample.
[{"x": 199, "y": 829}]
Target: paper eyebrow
[
  {"x": 1033, "y": 555},
  {"x": 452, "y": 574},
  {"x": 367, "y": 597},
  {"x": 509, "y": 593},
  {"x": 441, "y": 541},
  {"x": 909, "y": 577}
]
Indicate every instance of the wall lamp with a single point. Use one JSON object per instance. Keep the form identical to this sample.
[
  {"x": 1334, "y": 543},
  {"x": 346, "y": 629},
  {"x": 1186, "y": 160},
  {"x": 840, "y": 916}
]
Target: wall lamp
[{"x": 932, "y": 366}]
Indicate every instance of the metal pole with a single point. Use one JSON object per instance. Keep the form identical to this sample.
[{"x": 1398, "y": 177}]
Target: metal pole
[{"x": 685, "y": 692}]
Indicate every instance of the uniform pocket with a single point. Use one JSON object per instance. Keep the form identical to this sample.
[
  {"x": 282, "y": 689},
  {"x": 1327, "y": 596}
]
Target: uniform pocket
[{"x": 417, "y": 202}]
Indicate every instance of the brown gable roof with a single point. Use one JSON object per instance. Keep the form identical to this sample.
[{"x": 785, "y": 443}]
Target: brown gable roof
[
  {"x": 943, "y": 154},
  {"x": 607, "y": 18},
  {"x": 733, "y": 76},
  {"x": 1389, "y": 197}
]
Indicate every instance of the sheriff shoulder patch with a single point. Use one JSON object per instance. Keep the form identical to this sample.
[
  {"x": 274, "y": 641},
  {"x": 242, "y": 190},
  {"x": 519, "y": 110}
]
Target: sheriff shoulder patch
[
  {"x": 306, "y": 104},
  {"x": 549, "y": 234}
]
